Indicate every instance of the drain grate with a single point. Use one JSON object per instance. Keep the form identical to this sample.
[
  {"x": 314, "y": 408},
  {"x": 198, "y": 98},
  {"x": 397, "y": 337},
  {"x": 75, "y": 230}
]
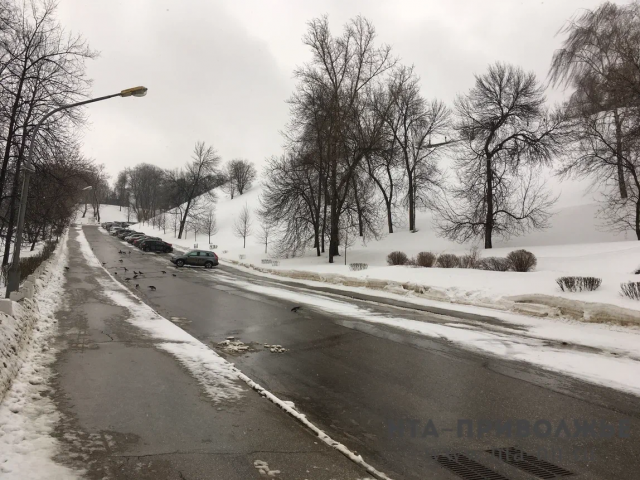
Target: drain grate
[
  {"x": 467, "y": 468},
  {"x": 530, "y": 463}
]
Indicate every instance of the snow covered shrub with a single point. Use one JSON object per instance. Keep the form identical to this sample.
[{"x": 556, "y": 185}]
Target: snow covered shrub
[
  {"x": 426, "y": 259},
  {"x": 355, "y": 267},
  {"x": 578, "y": 284},
  {"x": 631, "y": 290},
  {"x": 522, "y": 260},
  {"x": 275, "y": 263},
  {"x": 448, "y": 260},
  {"x": 397, "y": 258},
  {"x": 266, "y": 261},
  {"x": 494, "y": 264}
]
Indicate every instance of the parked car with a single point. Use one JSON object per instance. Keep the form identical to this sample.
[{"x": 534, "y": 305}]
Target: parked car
[
  {"x": 124, "y": 233},
  {"x": 201, "y": 258},
  {"x": 155, "y": 245},
  {"x": 134, "y": 236},
  {"x": 139, "y": 240},
  {"x": 115, "y": 231}
]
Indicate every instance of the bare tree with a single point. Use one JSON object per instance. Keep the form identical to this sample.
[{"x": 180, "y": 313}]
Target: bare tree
[
  {"x": 333, "y": 96},
  {"x": 266, "y": 231},
  {"x": 505, "y": 135},
  {"x": 240, "y": 174},
  {"x": 200, "y": 176},
  {"x": 594, "y": 61},
  {"x": 145, "y": 186},
  {"x": 413, "y": 123},
  {"x": 208, "y": 224},
  {"x": 42, "y": 67},
  {"x": 242, "y": 225}
]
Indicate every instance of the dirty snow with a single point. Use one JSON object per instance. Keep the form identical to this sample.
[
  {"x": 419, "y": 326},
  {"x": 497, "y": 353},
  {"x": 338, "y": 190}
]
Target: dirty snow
[{"x": 27, "y": 415}]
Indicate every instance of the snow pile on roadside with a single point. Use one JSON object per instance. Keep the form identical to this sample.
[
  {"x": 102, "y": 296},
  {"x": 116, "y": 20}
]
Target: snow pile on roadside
[{"x": 27, "y": 415}]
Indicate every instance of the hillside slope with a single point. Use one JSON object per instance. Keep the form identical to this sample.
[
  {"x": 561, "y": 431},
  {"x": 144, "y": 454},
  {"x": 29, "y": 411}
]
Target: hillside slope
[{"x": 574, "y": 245}]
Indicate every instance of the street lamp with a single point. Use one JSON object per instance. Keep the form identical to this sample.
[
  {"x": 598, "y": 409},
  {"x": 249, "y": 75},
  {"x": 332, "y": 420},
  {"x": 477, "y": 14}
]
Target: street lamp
[{"x": 13, "y": 278}]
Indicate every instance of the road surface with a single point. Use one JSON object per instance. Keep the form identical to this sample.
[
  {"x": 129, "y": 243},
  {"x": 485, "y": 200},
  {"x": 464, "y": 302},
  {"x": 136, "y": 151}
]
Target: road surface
[{"x": 372, "y": 388}]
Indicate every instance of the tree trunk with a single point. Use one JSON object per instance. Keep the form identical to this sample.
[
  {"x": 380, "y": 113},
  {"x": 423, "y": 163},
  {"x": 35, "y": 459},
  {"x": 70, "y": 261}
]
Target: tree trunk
[
  {"x": 85, "y": 210},
  {"x": 488, "y": 226},
  {"x": 333, "y": 230},
  {"x": 638, "y": 219},
  {"x": 621, "y": 182},
  {"x": 412, "y": 220}
]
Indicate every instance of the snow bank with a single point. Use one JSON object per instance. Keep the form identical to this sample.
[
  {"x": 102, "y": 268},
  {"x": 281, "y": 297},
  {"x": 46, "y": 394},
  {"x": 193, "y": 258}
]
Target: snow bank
[
  {"x": 18, "y": 320},
  {"x": 27, "y": 414}
]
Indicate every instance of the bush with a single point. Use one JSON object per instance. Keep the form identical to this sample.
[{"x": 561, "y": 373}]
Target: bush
[
  {"x": 448, "y": 260},
  {"x": 355, "y": 267},
  {"x": 495, "y": 264},
  {"x": 471, "y": 259},
  {"x": 397, "y": 258},
  {"x": 631, "y": 290},
  {"x": 28, "y": 265},
  {"x": 522, "y": 260},
  {"x": 578, "y": 284},
  {"x": 426, "y": 259}
]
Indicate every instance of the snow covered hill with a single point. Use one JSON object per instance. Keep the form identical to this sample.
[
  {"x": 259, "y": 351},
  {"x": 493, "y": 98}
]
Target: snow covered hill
[
  {"x": 574, "y": 245},
  {"x": 108, "y": 213}
]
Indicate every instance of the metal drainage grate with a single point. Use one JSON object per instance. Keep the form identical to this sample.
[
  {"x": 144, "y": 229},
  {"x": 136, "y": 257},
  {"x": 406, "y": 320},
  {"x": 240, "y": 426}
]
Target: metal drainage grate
[
  {"x": 530, "y": 463},
  {"x": 467, "y": 468}
]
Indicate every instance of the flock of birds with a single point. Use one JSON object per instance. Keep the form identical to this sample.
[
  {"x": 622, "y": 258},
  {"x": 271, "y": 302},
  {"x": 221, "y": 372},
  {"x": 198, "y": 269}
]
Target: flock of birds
[{"x": 135, "y": 273}]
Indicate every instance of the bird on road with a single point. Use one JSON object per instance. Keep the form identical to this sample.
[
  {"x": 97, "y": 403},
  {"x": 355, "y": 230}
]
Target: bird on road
[
  {"x": 135, "y": 273},
  {"x": 104, "y": 263},
  {"x": 115, "y": 273},
  {"x": 120, "y": 260},
  {"x": 140, "y": 273},
  {"x": 127, "y": 279},
  {"x": 163, "y": 271},
  {"x": 152, "y": 288},
  {"x": 135, "y": 276},
  {"x": 125, "y": 269},
  {"x": 174, "y": 274},
  {"x": 295, "y": 309},
  {"x": 137, "y": 285},
  {"x": 66, "y": 268}
]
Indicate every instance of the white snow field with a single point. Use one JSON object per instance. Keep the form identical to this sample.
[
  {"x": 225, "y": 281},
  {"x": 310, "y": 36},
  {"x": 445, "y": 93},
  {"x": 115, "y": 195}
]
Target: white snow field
[
  {"x": 108, "y": 213},
  {"x": 574, "y": 245}
]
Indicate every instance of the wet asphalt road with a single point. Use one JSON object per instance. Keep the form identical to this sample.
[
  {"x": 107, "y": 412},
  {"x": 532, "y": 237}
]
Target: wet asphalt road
[{"x": 354, "y": 379}]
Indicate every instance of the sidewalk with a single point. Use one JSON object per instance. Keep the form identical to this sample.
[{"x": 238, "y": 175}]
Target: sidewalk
[{"x": 140, "y": 405}]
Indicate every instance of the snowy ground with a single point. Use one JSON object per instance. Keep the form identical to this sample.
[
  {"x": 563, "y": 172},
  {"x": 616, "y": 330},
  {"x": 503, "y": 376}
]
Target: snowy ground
[
  {"x": 108, "y": 213},
  {"x": 574, "y": 245},
  {"x": 27, "y": 415}
]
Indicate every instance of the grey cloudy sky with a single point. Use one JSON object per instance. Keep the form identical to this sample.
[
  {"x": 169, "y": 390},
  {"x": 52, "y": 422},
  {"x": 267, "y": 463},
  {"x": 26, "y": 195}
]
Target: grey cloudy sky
[{"x": 221, "y": 71}]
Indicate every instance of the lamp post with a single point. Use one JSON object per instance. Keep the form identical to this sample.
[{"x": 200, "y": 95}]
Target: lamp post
[{"x": 13, "y": 278}]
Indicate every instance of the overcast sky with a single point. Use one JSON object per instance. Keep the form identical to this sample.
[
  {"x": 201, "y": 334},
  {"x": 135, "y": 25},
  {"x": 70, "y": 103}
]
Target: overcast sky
[{"x": 221, "y": 71}]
